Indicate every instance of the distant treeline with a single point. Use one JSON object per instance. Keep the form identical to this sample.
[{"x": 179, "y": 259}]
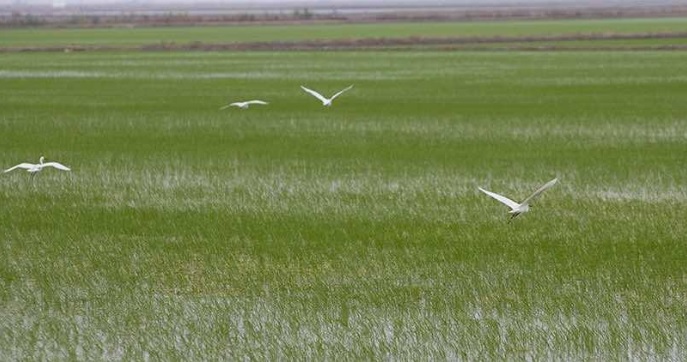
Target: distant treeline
[{"x": 299, "y": 15}]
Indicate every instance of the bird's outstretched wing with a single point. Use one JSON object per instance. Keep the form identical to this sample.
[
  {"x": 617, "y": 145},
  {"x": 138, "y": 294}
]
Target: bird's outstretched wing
[
  {"x": 23, "y": 165},
  {"x": 227, "y": 106},
  {"x": 541, "y": 189},
  {"x": 256, "y": 101},
  {"x": 57, "y": 165},
  {"x": 315, "y": 94},
  {"x": 502, "y": 199},
  {"x": 342, "y": 91}
]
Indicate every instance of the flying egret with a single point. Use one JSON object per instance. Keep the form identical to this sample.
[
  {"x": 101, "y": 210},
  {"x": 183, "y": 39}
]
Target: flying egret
[
  {"x": 519, "y": 208},
  {"x": 37, "y": 167},
  {"x": 244, "y": 105},
  {"x": 326, "y": 101}
]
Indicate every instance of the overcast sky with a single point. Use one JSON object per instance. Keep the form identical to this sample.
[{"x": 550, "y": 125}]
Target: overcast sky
[
  {"x": 346, "y": 2},
  {"x": 327, "y": 2}
]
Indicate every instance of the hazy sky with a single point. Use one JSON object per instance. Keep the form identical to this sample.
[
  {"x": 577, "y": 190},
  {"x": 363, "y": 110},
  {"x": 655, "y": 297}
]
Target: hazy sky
[
  {"x": 253, "y": 3},
  {"x": 323, "y": 2}
]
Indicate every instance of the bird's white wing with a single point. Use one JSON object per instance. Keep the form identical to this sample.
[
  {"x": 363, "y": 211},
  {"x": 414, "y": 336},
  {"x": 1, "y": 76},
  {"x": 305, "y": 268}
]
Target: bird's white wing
[
  {"x": 342, "y": 91},
  {"x": 541, "y": 189},
  {"x": 227, "y": 106},
  {"x": 21, "y": 165},
  {"x": 504, "y": 200},
  {"x": 315, "y": 94},
  {"x": 256, "y": 101},
  {"x": 57, "y": 165}
]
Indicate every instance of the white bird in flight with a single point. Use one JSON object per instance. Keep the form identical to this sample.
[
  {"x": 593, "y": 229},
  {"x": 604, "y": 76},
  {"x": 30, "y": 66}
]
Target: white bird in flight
[
  {"x": 33, "y": 168},
  {"x": 326, "y": 101},
  {"x": 244, "y": 105},
  {"x": 519, "y": 208}
]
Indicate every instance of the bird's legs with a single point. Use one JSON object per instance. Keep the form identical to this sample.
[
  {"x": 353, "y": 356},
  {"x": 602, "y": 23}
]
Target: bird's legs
[{"x": 512, "y": 216}]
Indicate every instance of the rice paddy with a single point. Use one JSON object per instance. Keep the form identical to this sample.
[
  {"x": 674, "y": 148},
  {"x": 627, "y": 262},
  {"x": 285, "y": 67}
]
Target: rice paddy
[
  {"x": 295, "y": 231},
  {"x": 140, "y": 36}
]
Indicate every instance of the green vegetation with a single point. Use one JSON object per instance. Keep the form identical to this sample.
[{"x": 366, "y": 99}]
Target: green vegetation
[
  {"x": 295, "y": 231},
  {"x": 250, "y": 33}
]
